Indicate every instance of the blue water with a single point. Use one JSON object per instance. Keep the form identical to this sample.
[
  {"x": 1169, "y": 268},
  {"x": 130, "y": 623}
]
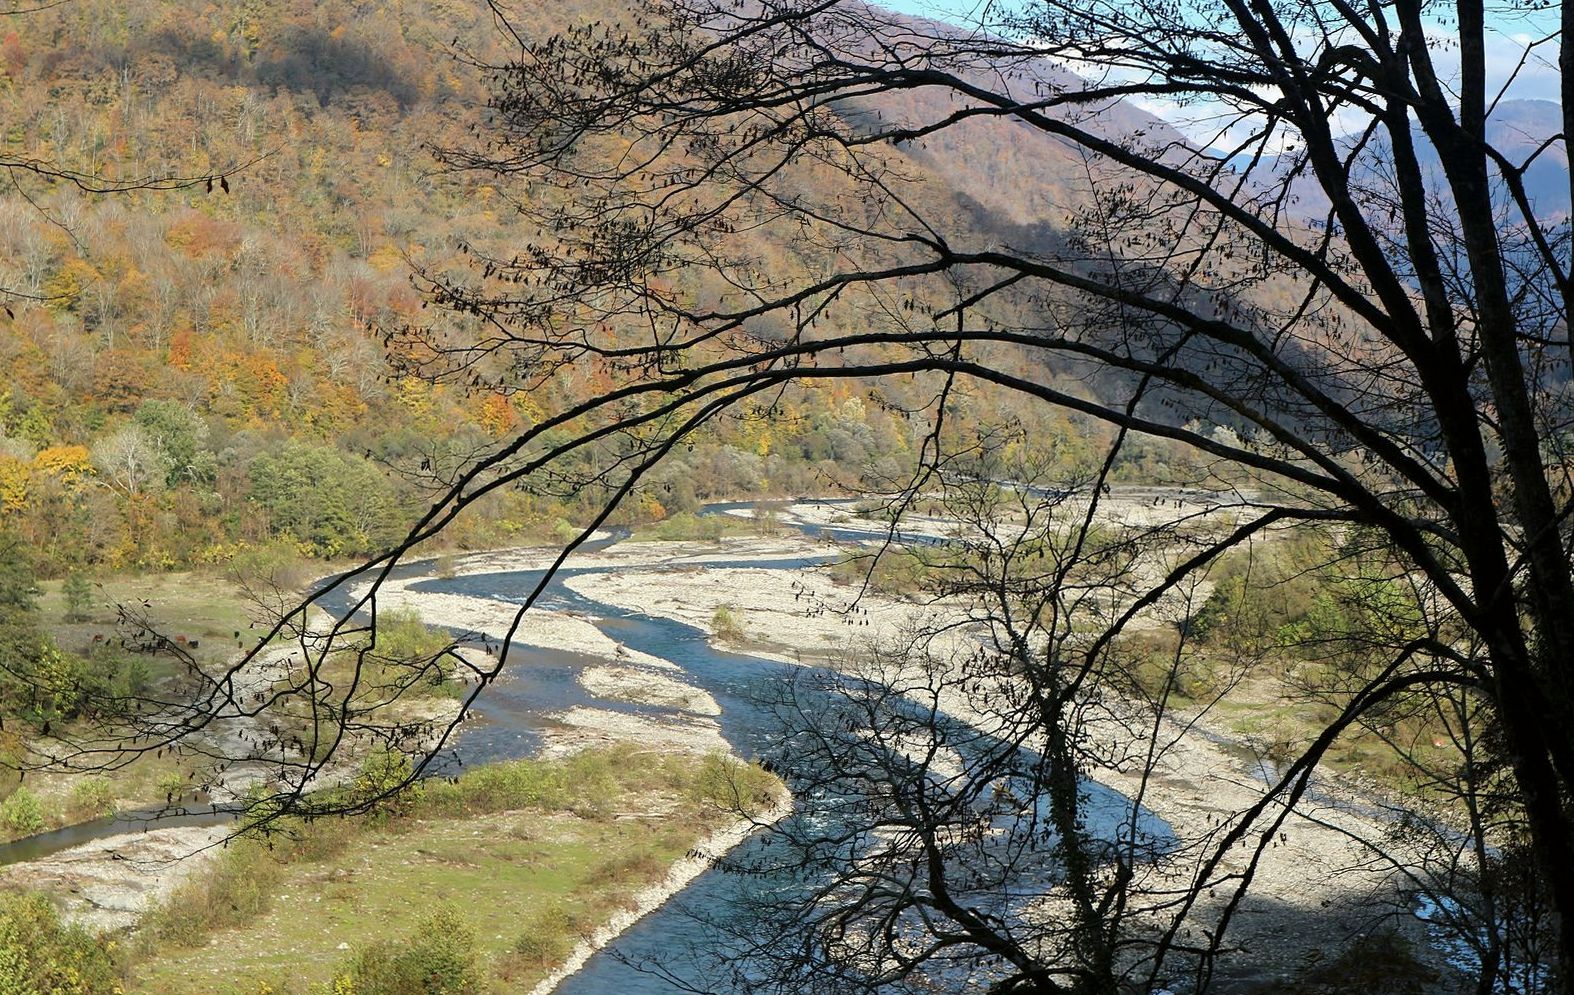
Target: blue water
[
  {"x": 513, "y": 715},
  {"x": 744, "y": 687}
]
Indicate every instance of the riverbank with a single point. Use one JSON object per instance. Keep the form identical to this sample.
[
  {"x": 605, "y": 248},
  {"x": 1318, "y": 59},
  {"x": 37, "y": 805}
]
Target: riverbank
[
  {"x": 107, "y": 885},
  {"x": 1314, "y": 885},
  {"x": 682, "y": 716},
  {"x": 529, "y": 854},
  {"x": 682, "y": 872}
]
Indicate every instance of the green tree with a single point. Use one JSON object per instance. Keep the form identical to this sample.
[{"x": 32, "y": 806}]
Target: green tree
[
  {"x": 180, "y": 435},
  {"x": 78, "y": 593},
  {"x": 18, "y": 587},
  {"x": 334, "y": 503}
]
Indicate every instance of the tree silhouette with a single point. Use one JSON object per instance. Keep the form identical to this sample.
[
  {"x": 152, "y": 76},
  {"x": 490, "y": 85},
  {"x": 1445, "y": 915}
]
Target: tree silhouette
[
  {"x": 1350, "y": 339},
  {"x": 1302, "y": 301}
]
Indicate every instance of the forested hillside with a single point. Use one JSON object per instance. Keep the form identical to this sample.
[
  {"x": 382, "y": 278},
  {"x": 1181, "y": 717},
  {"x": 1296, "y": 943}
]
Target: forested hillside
[{"x": 204, "y": 373}]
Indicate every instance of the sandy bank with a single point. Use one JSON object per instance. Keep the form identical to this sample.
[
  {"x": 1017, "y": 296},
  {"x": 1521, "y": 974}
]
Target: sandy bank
[
  {"x": 583, "y": 727},
  {"x": 491, "y": 620},
  {"x": 646, "y": 687},
  {"x": 109, "y": 883}
]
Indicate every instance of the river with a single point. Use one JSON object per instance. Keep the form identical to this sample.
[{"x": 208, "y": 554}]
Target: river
[{"x": 514, "y": 714}]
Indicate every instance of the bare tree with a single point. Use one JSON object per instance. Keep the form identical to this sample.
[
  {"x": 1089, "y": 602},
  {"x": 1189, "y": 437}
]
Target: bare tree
[
  {"x": 131, "y": 460},
  {"x": 1389, "y": 362},
  {"x": 1389, "y": 366},
  {"x": 947, "y": 835}
]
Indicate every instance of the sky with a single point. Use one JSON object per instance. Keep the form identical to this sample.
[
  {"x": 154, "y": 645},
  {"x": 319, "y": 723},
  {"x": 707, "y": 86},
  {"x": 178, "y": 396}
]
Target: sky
[{"x": 1510, "y": 36}]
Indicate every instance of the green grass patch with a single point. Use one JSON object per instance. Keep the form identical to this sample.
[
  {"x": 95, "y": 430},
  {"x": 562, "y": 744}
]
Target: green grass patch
[
  {"x": 530, "y": 854},
  {"x": 686, "y": 527},
  {"x": 201, "y": 606}
]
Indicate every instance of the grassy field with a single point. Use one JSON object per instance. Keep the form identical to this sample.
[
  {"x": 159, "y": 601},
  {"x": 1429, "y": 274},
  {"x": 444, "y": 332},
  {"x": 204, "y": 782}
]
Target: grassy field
[
  {"x": 206, "y": 611},
  {"x": 524, "y": 857},
  {"x": 203, "y": 608},
  {"x": 206, "y": 607}
]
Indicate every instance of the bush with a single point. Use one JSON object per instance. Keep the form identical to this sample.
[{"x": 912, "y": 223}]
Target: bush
[
  {"x": 734, "y": 785},
  {"x": 22, "y": 814},
  {"x": 631, "y": 863},
  {"x": 172, "y": 785},
  {"x": 725, "y": 624},
  {"x": 410, "y": 654},
  {"x": 438, "y": 958},
  {"x": 686, "y": 526},
  {"x": 499, "y": 788},
  {"x": 238, "y": 888},
  {"x": 402, "y": 635},
  {"x": 548, "y": 937},
  {"x": 275, "y": 566},
  {"x": 899, "y": 571},
  {"x": 40, "y": 956},
  {"x": 92, "y": 797},
  {"x": 586, "y": 783},
  {"x": 383, "y": 781}
]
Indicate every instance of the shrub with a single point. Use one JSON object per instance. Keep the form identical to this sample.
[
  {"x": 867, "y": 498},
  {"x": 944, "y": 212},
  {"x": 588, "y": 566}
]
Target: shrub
[
  {"x": 409, "y": 654},
  {"x": 725, "y": 624},
  {"x": 688, "y": 526},
  {"x": 501, "y": 787},
  {"x": 734, "y": 785},
  {"x": 238, "y": 888},
  {"x": 631, "y": 863},
  {"x": 172, "y": 784},
  {"x": 548, "y": 936},
  {"x": 41, "y": 956},
  {"x": 274, "y": 566},
  {"x": 899, "y": 571},
  {"x": 93, "y": 797},
  {"x": 385, "y": 772},
  {"x": 402, "y": 635},
  {"x": 438, "y": 958},
  {"x": 22, "y": 813}
]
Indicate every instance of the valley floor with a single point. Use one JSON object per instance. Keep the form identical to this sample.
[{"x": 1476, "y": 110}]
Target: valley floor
[{"x": 1316, "y": 885}]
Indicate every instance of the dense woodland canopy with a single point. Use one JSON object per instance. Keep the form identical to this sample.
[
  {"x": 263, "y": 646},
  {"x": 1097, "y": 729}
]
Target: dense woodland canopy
[{"x": 200, "y": 373}]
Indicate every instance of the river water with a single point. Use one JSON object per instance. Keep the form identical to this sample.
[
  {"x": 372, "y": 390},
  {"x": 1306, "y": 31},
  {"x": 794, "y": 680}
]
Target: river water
[
  {"x": 514, "y": 715},
  {"x": 741, "y": 684}
]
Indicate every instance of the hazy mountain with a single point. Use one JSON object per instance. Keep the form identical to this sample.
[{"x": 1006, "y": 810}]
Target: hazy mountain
[{"x": 1517, "y": 128}]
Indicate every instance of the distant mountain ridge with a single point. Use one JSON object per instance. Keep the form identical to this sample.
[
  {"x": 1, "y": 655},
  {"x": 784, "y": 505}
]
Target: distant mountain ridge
[{"x": 1516, "y": 128}]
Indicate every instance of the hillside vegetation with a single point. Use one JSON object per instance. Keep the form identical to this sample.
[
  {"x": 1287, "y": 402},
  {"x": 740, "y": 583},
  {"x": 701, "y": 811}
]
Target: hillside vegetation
[{"x": 197, "y": 376}]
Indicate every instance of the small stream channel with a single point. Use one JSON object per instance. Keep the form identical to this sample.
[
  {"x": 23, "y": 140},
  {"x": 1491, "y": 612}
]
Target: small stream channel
[{"x": 513, "y": 716}]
